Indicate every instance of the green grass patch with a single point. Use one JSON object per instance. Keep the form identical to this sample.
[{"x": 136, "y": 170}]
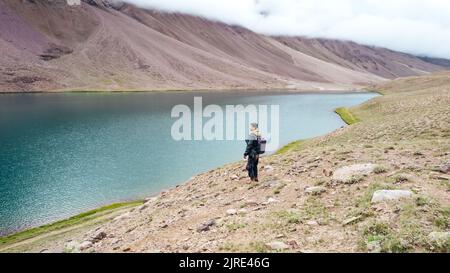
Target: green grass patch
[
  {"x": 346, "y": 115},
  {"x": 314, "y": 209},
  {"x": 380, "y": 169},
  {"x": 289, "y": 147},
  {"x": 258, "y": 247},
  {"x": 289, "y": 217},
  {"x": 235, "y": 226},
  {"x": 408, "y": 233},
  {"x": 230, "y": 248},
  {"x": 442, "y": 218},
  {"x": 75, "y": 220}
]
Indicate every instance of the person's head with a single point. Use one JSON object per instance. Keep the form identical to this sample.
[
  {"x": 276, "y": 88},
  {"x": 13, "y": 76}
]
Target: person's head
[{"x": 253, "y": 126}]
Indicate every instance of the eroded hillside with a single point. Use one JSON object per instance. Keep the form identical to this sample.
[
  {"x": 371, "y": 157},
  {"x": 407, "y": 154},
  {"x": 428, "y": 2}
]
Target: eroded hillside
[{"x": 101, "y": 45}]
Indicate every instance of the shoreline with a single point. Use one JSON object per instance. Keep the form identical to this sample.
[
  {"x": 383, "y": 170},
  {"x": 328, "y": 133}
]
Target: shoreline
[
  {"x": 362, "y": 89},
  {"x": 67, "y": 223},
  {"x": 111, "y": 207}
]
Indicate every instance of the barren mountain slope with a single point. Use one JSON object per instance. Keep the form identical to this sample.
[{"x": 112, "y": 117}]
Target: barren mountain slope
[
  {"x": 105, "y": 49},
  {"x": 49, "y": 45},
  {"x": 246, "y": 47},
  {"x": 254, "y": 49},
  {"x": 379, "y": 61}
]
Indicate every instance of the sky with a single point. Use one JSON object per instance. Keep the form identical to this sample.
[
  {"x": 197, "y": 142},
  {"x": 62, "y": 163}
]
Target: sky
[{"x": 420, "y": 27}]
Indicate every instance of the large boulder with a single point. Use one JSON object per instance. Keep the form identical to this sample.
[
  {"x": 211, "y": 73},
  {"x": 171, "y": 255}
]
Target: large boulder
[
  {"x": 206, "y": 226},
  {"x": 100, "y": 235},
  {"x": 85, "y": 245},
  {"x": 439, "y": 237},
  {"x": 72, "y": 247},
  {"x": 350, "y": 174},
  {"x": 389, "y": 195},
  {"x": 445, "y": 168},
  {"x": 277, "y": 246},
  {"x": 317, "y": 190},
  {"x": 232, "y": 212}
]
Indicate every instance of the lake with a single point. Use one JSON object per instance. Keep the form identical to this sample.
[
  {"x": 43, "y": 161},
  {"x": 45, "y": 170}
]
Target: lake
[{"x": 62, "y": 154}]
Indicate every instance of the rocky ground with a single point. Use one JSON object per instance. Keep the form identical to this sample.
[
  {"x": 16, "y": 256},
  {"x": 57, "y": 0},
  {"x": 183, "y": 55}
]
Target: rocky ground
[{"x": 380, "y": 185}]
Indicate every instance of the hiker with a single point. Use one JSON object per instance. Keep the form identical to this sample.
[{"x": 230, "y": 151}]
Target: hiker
[{"x": 253, "y": 151}]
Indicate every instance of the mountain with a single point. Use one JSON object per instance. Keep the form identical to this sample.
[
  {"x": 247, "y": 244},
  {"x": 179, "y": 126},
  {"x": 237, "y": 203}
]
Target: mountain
[
  {"x": 436, "y": 61},
  {"x": 108, "y": 45}
]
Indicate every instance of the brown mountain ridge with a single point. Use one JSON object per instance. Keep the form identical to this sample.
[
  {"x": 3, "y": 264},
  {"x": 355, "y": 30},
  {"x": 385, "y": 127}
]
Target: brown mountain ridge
[{"x": 48, "y": 45}]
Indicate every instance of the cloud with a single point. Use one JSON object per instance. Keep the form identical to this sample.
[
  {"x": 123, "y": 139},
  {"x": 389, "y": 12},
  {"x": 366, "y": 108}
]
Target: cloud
[{"x": 415, "y": 26}]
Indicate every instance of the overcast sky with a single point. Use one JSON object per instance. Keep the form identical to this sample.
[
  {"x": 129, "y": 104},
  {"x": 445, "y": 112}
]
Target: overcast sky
[{"x": 415, "y": 26}]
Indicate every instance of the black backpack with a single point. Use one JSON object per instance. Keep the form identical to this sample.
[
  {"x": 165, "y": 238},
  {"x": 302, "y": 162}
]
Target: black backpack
[{"x": 261, "y": 145}]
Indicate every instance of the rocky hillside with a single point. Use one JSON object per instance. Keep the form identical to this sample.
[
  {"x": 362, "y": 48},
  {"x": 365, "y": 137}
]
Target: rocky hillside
[
  {"x": 379, "y": 185},
  {"x": 107, "y": 45}
]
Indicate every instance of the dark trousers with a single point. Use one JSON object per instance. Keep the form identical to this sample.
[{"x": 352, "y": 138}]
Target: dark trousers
[{"x": 252, "y": 166}]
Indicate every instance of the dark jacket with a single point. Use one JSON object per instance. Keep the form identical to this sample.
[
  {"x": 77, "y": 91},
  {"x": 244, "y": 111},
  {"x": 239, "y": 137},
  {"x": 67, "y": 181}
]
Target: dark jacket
[{"x": 252, "y": 146}]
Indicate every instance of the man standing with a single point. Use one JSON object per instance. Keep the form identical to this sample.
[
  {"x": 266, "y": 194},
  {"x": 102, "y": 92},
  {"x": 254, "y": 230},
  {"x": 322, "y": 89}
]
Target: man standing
[{"x": 252, "y": 152}]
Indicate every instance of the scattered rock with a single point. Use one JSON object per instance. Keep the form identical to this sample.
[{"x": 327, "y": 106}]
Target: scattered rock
[
  {"x": 443, "y": 177},
  {"x": 312, "y": 223},
  {"x": 327, "y": 173},
  {"x": 231, "y": 212},
  {"x": 293, "y": 244},
  {"x": 243, "y": 211},
  {"x": 315, "y": 190},
  {"x": 347, "y": 174},
  {"x": 116, "y": 241},
  {"x": 268, "y": 169},
  {"x": 150, "y": 200},
  {"x": 271, "y": 201},
  {"x": 142, "y": 207},
  {"x": 272, "y": 184},
  {"x": 85, "y": 245},
  {"x": 277, "y": 246},
  {"x": 440, "y": 238},
  {"x": 122, "y": 216},
  {"x": 206, "y": 226},
  {"x": 99, "y": 236},
  {"x": 403, "y": 177},
  {"x": 72, "y": 247},
  {"x": 445, "y": 168},
  {"x": 250, "y": 203},
  {"x": 351, "y": 220},
  {"x": 374, "y": 247},
  {"x": 388, "y": 195}
]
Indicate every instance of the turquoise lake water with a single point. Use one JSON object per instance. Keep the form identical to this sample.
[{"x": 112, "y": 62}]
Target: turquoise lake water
[{"x": 62, "y": 154}]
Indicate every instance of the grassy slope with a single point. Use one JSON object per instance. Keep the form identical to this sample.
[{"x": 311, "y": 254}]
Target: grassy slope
[
  {"x": 346, "y": 115},
  {"x": 413, "y": 116}
]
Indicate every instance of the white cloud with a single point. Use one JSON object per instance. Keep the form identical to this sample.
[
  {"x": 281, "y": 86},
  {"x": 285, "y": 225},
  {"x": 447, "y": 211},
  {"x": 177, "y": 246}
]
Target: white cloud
[{"x": 414, "y": 26}]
